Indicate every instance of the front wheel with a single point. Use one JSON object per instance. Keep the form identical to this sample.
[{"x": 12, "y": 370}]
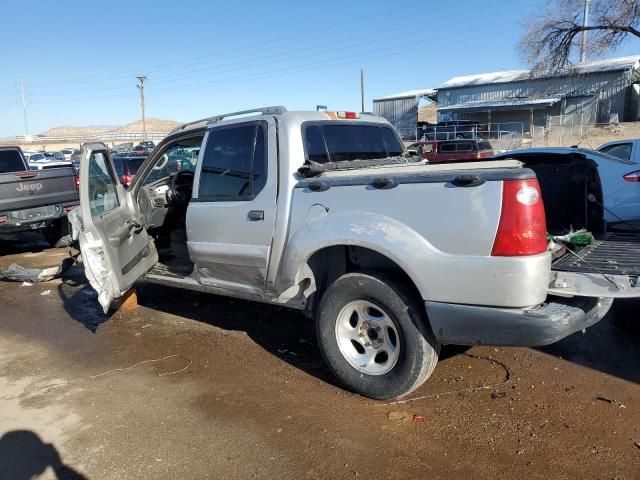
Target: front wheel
[{"x": 374, "y": 336}]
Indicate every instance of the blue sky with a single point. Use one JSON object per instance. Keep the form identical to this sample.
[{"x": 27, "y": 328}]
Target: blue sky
[{"x": 78, "y": 59}]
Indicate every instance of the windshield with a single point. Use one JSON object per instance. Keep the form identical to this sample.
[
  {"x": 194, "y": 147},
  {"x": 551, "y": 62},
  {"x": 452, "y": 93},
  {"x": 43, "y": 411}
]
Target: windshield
[{"x": 10, "y": 161}]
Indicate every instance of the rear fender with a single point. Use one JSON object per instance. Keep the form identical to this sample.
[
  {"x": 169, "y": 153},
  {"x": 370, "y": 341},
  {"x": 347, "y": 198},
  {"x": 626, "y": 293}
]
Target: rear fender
[{"x": 384, "y": 235}]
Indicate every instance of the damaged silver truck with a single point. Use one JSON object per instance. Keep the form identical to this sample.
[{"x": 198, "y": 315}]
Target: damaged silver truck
[{"x": 325, "y": 212}]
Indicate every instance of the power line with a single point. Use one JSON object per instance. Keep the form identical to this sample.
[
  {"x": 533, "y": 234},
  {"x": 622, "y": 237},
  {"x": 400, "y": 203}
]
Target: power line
[{"x": 142, "y": 78}]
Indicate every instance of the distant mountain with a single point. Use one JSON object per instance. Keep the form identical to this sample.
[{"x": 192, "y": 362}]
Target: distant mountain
[{"x": 153, "y": 125}]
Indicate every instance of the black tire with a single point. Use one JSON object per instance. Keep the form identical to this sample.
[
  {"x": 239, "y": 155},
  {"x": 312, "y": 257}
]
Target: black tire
[
  {"x": 57, "y": 234},
  {"x": 418, "y": 349}
]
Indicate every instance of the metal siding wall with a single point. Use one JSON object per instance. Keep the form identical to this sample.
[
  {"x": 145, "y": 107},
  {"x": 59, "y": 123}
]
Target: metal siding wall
[
  {"x": 402, "y": 113},
  {"x": 612, "y": 87}
]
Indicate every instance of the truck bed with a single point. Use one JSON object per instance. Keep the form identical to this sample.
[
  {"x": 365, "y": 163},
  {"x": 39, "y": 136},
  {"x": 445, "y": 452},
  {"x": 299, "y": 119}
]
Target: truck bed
[{"x": 612, "y": 254}]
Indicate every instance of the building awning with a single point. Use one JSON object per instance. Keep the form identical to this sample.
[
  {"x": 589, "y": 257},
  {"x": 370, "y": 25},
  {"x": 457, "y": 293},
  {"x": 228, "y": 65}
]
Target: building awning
[{"x": 505, "y": 104}]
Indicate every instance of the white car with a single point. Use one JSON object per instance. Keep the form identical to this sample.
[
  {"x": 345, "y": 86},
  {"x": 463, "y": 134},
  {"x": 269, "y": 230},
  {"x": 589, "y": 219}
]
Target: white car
[
  {"x": 619, "y": 177},
  {"x": 67, "y": 152}
]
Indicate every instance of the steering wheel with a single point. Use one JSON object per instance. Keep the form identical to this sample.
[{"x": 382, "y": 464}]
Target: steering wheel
[{"x": 181, "y": 188}]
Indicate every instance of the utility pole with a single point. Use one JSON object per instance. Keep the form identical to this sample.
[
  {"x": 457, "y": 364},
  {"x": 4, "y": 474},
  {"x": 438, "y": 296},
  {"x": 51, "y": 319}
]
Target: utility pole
[
  {"x": 585, "y": 23},
  {"x": 24, "y": 110},
  {"x": 142, "y": 78},
  {"x": 362, "y": 90}
]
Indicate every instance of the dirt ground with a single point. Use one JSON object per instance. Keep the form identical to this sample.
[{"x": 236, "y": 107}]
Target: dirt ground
[{"x": 196, "y": 386}]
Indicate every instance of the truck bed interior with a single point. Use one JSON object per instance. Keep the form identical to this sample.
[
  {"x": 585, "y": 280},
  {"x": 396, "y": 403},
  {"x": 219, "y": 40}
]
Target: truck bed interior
[{"x": 573, "y": 199}]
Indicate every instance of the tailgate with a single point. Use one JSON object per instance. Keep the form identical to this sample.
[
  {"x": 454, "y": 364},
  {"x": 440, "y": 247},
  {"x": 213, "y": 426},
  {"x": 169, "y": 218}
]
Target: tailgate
[
  {"x": 610, "y": 267},
  {"x": 23, "y": 190}
]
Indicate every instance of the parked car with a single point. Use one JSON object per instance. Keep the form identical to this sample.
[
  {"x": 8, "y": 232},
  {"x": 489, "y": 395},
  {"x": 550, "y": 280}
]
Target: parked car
[
  {"x": 449, "y": 130},
  {"x": 122, "y": 148},
  {"x": 455, "y": 150},
  {"x": 68, "y": 152},
  {"x": 620, "y": 178},
  {"x": 127, "y": 166},
  {"x": 36, "y": 200},
  {"x": 309, "y": 210},
  {"x": 54, "y": 156},
  {"x": 37, "y": 157},
  {"x": 49, "y": 165}
]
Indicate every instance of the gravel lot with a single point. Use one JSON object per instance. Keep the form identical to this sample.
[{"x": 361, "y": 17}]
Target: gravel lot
[{"x": 195, "y": 386}]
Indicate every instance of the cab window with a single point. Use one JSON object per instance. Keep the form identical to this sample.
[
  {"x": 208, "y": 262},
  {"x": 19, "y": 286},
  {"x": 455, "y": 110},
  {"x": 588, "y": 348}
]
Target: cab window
[
  {"x": 234, "y": 165},
  {"x": 177, "y": 157}
]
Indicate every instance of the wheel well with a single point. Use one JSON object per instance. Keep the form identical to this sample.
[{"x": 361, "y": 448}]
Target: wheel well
[{"x": 330, "y": 263}]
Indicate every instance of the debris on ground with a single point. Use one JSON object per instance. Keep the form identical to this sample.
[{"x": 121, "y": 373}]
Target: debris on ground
[
  {"x": 496, "y": 395},
  {"x": 419, "y": 419},
  {"x": 579, "y": 238},
  {"x": 18, "y": 273},
  {"x": 46, "y": 292}
]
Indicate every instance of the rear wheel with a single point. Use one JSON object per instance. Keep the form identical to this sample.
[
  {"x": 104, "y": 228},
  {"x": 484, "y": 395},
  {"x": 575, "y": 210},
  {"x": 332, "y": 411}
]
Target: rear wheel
[
  {"x": 57, "y": 233},
  {"x": 374, "y": 336}
]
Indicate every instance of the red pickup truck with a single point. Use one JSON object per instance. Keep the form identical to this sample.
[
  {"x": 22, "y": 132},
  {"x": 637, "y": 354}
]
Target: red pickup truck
[{"x": 455, "y": 150}]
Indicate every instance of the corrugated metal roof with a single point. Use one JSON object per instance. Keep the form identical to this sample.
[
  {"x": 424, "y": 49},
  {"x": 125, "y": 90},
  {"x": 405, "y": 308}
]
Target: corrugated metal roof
[
  {"x": 422, "y": 92},
  {"x": 609, "y": 65},
  {"x": 538, "y": 102}
]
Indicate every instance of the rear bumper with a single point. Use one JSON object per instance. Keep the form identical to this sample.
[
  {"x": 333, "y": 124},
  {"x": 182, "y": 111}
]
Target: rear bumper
[
  {"x": 32, "y": 218},
  {"x": 475, "y": 325}
]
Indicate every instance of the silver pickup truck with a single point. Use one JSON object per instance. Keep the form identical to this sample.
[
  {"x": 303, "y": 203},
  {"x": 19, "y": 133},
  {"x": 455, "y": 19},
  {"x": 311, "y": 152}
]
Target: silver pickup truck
[{"x": 326, "y": 213}]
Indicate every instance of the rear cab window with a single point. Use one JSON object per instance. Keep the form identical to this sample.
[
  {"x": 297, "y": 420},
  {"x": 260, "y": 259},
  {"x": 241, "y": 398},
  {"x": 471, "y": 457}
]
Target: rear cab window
[
  {"x": 11, "y": 161},
  {"x": 348, "y": 141}
]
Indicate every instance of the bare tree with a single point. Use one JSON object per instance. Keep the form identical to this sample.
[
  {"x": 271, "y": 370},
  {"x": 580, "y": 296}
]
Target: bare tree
[{"x": 550, "y": 39}]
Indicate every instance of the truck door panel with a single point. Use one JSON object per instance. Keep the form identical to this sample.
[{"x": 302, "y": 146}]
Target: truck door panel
[{"x": 232, "y": 212}]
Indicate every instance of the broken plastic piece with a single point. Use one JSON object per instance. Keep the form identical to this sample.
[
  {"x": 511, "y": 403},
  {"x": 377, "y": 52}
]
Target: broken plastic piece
[{"x": 18, "y": 273}]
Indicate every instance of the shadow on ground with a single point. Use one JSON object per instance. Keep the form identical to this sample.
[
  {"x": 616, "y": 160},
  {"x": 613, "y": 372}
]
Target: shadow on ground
[
  {"x": 24, "y": 242},
  {"x": 80, "y": 301},
  {"x": 23, "y": 455},
  {"x": 611, "y": 346}
]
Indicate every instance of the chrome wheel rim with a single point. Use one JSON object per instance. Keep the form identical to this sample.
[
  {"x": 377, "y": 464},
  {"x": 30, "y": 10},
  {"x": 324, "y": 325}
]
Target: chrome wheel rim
[{"x": 367, "y": 337}]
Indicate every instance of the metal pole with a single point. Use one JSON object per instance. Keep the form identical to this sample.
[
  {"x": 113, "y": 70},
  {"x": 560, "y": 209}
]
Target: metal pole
[
  {"x": 362, "y": 90},
  {"x": 585, "y": 23},
  {"x": 24, "y": 110},
  {"x": 142, "y": 78}
]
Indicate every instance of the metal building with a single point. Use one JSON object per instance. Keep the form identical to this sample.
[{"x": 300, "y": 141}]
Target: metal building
[
  {"x": 401, "y": 109},
  {"x": 599, "y": 91}
]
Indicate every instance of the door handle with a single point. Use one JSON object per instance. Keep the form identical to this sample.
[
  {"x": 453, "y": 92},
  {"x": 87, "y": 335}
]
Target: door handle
[{"x": 255, "y": 215}]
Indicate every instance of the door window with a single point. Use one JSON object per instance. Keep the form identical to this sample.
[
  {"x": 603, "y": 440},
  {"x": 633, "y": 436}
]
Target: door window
[
  {"x": 234, "y": 166},
  {"x": 177, "y": 157},
  {"x": 622, "y": 150},
  {"x": 103, "y": 195}
]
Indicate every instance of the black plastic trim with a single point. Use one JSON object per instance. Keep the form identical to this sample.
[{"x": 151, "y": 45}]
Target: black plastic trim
[{"x": 427, "y": 177}]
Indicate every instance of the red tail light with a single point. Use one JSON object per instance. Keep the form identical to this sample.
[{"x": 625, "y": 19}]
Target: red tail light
[
  {"x": 76, "y": 183},
  {"x": 126, "y": 180},
  {"x": 3, "y": 219},
  {"x": 523, "y": 226},
  {"x": 632, "y": 176}
]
